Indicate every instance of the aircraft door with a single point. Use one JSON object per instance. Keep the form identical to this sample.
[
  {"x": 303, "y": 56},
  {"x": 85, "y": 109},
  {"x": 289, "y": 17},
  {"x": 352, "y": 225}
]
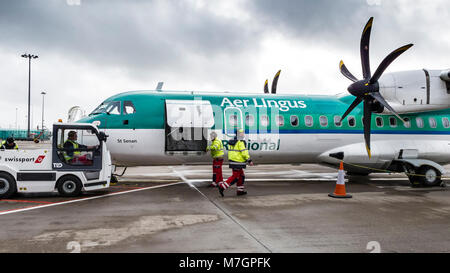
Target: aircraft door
[{"x": 187, "y": 125}]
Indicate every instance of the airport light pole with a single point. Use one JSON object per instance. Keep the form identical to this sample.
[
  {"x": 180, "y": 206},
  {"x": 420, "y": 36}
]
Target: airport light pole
[
  {"x": 43, "y": 94},
  {"x": 29, "y": 57}
]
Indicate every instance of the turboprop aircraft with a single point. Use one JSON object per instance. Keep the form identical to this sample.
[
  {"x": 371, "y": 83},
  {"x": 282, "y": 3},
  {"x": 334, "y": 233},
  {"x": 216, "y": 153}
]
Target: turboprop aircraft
[{"x": 403, "y": 124}]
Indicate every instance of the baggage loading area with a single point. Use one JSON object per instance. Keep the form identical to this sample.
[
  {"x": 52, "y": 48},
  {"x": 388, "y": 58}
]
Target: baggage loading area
[{"x": 172, "y": 209}]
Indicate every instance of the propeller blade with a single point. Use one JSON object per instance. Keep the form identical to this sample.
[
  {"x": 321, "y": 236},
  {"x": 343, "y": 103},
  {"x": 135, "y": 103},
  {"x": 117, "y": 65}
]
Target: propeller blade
[
  {"x": 387, "y": 61},
  {"x": 380, "y": 99},
  {"x": 347, "y": 73},
  {"x": 275, "y": 82},
  {"x": 352, "y": 106},
  {"x": 364, "y": 49},
  {"x": 266, "y": 87},
  {"x": 367, "y": 119}
]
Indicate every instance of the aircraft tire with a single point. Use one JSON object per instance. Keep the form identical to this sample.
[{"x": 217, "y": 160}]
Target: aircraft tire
[
  {"x": 69, "y": 186},
  {"x": 429, "y": 176},
  {"x": 8, "y": 186}
]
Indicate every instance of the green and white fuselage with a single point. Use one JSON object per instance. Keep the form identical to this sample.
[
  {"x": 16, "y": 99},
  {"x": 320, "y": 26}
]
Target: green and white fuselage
[{"x": 142, "y": 126}]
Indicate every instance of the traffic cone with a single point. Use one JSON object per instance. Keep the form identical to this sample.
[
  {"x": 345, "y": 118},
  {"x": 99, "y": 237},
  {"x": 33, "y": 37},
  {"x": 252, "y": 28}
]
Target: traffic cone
[{"x": 339, "y": 191}]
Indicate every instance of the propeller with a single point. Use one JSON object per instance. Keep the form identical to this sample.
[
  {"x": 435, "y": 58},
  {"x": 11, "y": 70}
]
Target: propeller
[
  {"x": 367, "y": 90},
  {"x": 274, "y": 84}
]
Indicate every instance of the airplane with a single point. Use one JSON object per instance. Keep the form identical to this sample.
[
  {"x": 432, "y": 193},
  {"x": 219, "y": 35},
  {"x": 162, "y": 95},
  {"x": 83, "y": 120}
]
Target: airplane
[{"x": 402, "y": 124}]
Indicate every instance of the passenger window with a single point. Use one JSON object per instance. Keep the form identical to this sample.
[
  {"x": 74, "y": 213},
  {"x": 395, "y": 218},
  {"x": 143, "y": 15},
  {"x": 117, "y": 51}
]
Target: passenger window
[
  {"x": 249, "y": 120},
  {"x": 337, "y": 120},
  {"x": 407, "y": 123},
  {"x": 432, "y": 122},
  {"x": 419, "y": 122},
  {"x": 264, "y": 121},
  {"x": 445, "y": 122},
  {"x": 308, "y": 121},
  {"x": 379, "y": 121},
  {"x": 280, "y": 121},
  {"x": 351, "y": 121},
  {"x": 392, "y": 121},
  {"x": 128, "y": 108},
  {"x": 323, "y": 120},
  {"x": 294, "y": 121}
]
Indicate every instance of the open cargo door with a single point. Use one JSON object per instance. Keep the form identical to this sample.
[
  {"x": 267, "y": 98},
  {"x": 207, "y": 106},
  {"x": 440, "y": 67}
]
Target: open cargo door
[{"x": 187, "y": 125}]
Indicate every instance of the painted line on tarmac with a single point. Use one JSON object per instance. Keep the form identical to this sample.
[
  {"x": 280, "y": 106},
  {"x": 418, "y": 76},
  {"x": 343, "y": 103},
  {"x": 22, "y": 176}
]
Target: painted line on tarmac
[
  {"x": 191, "y": 184},
  {"x": 84, "y": 199}
]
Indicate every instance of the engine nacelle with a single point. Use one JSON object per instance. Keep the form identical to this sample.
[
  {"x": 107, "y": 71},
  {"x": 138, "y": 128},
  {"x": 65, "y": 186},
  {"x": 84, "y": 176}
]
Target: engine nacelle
[
  {"x": 416, "y": 90},
  {"x": 445, "y": 75}
]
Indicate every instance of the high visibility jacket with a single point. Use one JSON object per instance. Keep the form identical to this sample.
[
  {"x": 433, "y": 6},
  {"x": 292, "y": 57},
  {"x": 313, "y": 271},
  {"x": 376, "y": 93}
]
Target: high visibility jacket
[
  {"x": 5, "y": 146},
  {"x": 216, "y": 148},
  {"x": 237, "y": 152},
  {"x": 68, "y": 155}
]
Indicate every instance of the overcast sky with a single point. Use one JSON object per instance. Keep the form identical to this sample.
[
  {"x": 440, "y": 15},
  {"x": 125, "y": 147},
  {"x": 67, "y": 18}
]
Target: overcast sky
[{"x": 92, "y": 49}]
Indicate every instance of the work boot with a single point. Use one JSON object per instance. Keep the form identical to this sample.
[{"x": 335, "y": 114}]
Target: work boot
[
  {"x": 241, "y": 193},
  {"x": 220, "y": 190}
]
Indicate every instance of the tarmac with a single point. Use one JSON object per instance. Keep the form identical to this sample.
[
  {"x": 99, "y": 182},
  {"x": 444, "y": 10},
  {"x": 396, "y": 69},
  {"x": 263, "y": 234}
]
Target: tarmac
[{"x": 171, "y": 209}]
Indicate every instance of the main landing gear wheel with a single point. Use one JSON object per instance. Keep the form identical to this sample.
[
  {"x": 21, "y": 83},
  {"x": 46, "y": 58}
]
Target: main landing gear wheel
[
  {"x": 69, "y": 186},
  {"x": 7, "y": 186},
  {"x": 429, "y": 176},
  {"x": 425, "y": 176}
]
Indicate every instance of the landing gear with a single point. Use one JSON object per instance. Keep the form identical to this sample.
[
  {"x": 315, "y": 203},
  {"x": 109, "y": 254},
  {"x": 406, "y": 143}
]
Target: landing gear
[
  {"x": 425, "y": 176},
  {"x": 429, "y": 176}
]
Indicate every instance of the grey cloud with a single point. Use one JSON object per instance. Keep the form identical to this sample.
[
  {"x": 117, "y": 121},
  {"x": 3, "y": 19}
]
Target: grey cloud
[
  {"x": 323, "y": 20},
  {"x": 339, "y": 23},
  {"x": 134, "y": 34}
]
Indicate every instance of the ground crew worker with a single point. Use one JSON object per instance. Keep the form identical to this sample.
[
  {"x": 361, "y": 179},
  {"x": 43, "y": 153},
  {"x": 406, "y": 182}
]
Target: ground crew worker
[
  {"x": 217, "y": 153},
  {"x": 238, "y": 158},
  {"x": 9, "y": 144},
  {"x": 72, "y": 154}
]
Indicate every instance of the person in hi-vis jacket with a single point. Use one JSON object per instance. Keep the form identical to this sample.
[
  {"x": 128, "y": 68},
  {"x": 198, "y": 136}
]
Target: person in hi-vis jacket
[{"x": 238, "y": 158}]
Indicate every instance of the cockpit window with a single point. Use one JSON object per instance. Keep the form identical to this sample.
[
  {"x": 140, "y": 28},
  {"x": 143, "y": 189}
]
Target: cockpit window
[
  {"x": 110, "y": 107},
  {"x": 128, "y": 108}
]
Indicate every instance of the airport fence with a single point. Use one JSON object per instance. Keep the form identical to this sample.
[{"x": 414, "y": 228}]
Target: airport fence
[{"x": 22, "y": 134}]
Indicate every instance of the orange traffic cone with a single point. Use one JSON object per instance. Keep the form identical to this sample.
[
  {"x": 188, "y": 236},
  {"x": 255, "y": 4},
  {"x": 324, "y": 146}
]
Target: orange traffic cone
[{"x": 339, "y": 191}]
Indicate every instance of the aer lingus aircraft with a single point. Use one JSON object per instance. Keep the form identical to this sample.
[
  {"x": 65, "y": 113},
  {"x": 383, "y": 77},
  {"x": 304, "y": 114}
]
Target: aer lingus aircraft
[{"x": 391, "y": 121}]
